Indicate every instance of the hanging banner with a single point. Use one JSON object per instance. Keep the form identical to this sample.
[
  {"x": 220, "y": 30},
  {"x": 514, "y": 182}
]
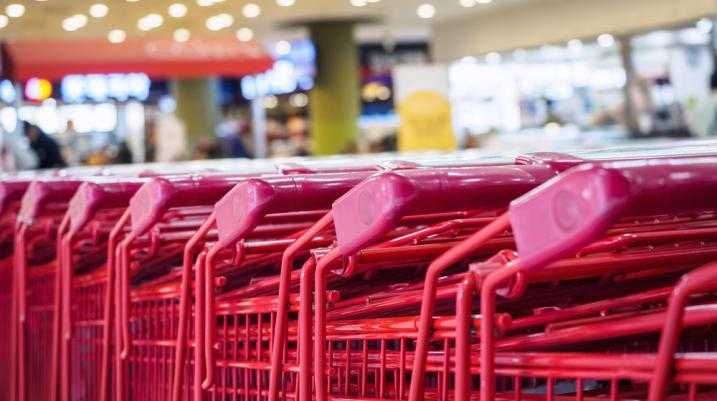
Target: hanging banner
[{"x": 421, "y": 95}]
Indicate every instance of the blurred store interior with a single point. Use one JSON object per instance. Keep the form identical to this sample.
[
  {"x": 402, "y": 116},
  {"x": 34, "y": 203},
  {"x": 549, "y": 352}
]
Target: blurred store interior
[{"x": 123, "y": 81}]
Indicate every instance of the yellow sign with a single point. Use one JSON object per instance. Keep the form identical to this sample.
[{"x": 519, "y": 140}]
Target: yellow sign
[{"x": 425, "y": 122}]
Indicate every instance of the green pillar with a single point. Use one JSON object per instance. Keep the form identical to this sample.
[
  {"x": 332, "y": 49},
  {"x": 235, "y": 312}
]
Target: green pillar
[
  {"x": 334, "y": 101},
  {"x": 197, "y": 106}
]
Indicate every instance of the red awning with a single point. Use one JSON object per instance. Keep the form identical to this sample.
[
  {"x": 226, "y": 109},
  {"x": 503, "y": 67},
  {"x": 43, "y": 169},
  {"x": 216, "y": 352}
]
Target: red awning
[{"x": 158, "y": 58}]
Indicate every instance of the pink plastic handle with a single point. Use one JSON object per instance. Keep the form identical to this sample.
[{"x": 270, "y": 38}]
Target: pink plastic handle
[
  {"x": 11, "y": 191},
  {"x": 240, "y": 210},
  {"x": 93, "y": 196},
  {"x": 296, "y": 168},
  {"x": 372, "y": 208},
  {"x": 579, "y": 205},
  {"x": 41, "y": 193},
  {"x": 156, "y": 196},
  {"x": 557, "y": 161}
]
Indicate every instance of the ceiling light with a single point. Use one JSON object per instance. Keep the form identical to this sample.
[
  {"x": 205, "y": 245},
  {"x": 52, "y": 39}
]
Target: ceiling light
[
  {"x": 219, "y": 21},
  {"x": 205, "y": 3},
  {"x": 251, "y": 10},
  {"x": 286, "y": 3},
  {"x": 15, "y": 10},
  {"x": 520, "y": 54},
  {"x": 575, "y": 45},
  {"x": 74, "y": 22},
  {"x": 358, "y": 3},
  {"x": 270, "y": 102},
  {"x": 606, "y": 40},
  {"x": 282, "y": 48},
  {"x": 3, "y": 21},
  {"x": 99, "y": 10},
  {"x": 426, "y": 11},
  {"x": 181, "y": 35},
  {"x": 484, "y": 1},
  {"x": 116, "y": 36},
  {"x": 177, "y": 10},
  {"x": 704, "y": 25},
  {"x": 245, "y": 34},
  {"x": 150, "y": 21},
  {"x": 467, "y": 3},
  {"x": 493, "y": 58}
]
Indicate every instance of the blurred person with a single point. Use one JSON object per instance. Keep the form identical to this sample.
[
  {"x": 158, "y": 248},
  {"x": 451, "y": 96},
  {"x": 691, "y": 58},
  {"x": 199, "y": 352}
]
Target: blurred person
[
  {"x": 298, "y": 137},
  {"x": 46, "y": 148},
  {"x": 75, "y": 146},
  {"x": 15, "y": 152},
  {"x": 206, "y": 149},
  {"x": 231, "y": 131},
  {"x": 171, "y": 138}
]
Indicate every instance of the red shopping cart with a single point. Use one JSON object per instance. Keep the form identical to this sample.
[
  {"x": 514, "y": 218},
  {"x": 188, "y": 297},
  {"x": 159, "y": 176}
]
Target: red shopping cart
[
  {"x": 163, "y": 215},
  {"x": 34, "y": 272},
  {"x": 596, "y": 339},
  {"x": 80, "y": 360},
  {"x": 11, "y": 191}
]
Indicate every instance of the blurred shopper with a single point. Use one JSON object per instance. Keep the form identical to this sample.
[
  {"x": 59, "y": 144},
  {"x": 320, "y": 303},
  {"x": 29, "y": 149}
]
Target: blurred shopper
[
  {"x": 76, "y": 148},
  {"x": 46, "y": 148},
  {"x": 170, "y": 138},
  {"x": 15, "y": 152},
  {"x": 231, "y": 131}
]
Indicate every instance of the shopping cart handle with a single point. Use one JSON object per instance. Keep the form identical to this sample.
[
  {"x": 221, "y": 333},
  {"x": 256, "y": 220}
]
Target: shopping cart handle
[
  {"x": 11, "y": 191},
  {"x": 557, "y": 161},
  {"x": 41, "y": 193},
  {"x": 159, "y": 194},
  {"x": 577, "y": 207},
  {"x": 92, "y": 196},
  {"x": 241, "y": 209},
  {"x": 374, "y": 207}
]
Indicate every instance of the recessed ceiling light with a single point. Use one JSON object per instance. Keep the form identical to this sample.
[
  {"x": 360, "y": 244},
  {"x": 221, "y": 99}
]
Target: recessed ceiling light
[
  {"x": 426, "y": 11},
  {"x": 704, "y": 25},
  {"x": 15, "y": 10},
  {"x": 74, "y": 22},
  {"x": 150, "y": 21},
  {"x": 575, "y": 45},
  {"x": 468, "y": 3},
  {"x": 251, "y": 10},
  {"x": 484, "y": 1},
  {"x": 286, "y": 3},
  {"x": 4, "y": 20},
  {"x": 283, "y": 47},
  {"x": 245, "y": 34},
  {"x": 181, "y": 35},
  {"x": 177, "y": 10},
  {"x": 99, "y": 10},
  {"x": 219, "y": 21},
  {"x": 358, "y": 3},
  {"x": 205, "y": 3},
  {"x": 606, "y": 40},
  {"x": 116, "y": 36},
  {"x": 493, "y": 58}
]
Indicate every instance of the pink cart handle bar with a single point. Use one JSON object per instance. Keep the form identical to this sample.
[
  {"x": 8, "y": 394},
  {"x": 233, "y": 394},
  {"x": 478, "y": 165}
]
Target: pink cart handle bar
[
  {"x": 93, "y": 196},
  {"x": 579, "y": 205},
  {"x": 41, "y": 193},
  {"x": 158, "y": 195},
  {"x": 11, "y": 191},
  {"x": 241, "y": 209},
  {"x": 564, "y": 161},
  {"x": 374, "y": 207}
]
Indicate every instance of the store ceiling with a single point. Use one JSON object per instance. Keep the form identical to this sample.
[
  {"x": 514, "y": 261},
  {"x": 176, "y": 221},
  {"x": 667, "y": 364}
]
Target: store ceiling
[{"x": 396, "y": 19}]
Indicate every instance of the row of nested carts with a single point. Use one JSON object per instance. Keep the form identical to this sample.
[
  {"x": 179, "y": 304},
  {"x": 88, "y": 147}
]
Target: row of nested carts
[{"x": 542, "y": 277}]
